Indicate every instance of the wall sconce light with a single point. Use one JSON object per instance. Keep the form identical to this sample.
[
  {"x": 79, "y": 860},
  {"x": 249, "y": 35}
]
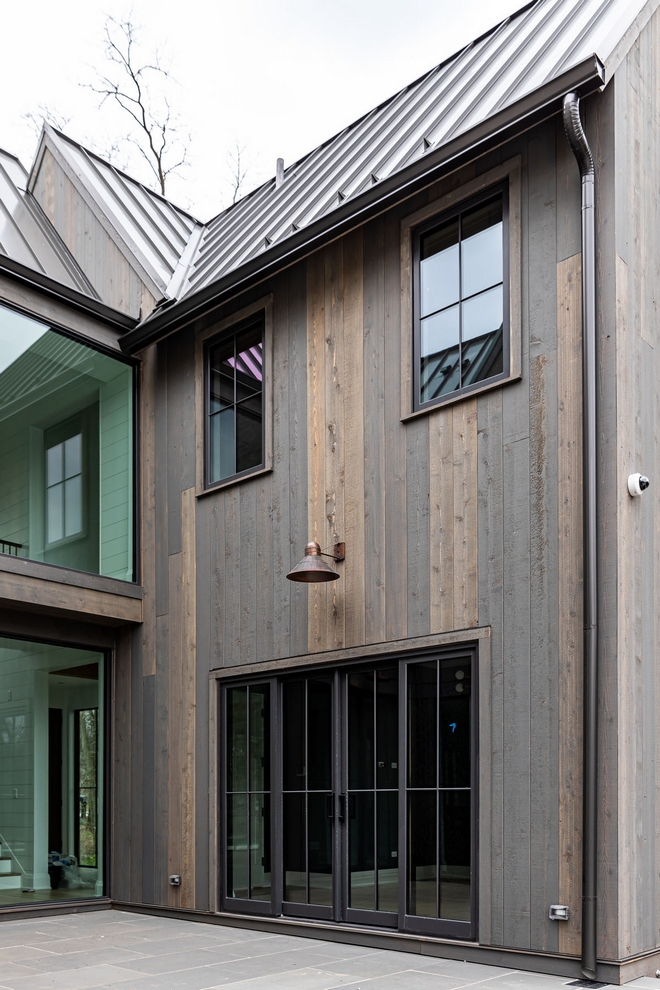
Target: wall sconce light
[{"x": 312, "y": 569}]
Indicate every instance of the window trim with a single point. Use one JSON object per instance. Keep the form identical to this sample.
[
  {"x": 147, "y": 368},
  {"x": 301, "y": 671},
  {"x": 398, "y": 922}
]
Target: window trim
[
  {"x": 206, "y": 338},
  {"x": 507, "y": 176}
]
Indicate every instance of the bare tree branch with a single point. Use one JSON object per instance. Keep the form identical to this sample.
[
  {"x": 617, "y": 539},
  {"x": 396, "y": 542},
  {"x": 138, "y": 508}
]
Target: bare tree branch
[
  {"x": 238, "y": 169},
  {"x": 45, "y": 115},
  {"x": 133, "y": 83}
]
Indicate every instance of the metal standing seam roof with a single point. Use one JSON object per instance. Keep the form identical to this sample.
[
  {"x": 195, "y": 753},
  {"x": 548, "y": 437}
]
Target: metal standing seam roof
[
  {"x": 527, "y": 50},
  {"x": 148, "y": 229},
  {"x": 512, "y": 66},
  {"x": 26, "y": 235}
]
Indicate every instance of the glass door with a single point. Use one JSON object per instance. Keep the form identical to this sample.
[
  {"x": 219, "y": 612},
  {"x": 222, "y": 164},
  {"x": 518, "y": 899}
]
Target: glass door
[
  {"x": 371, "y": 783},
  {"x": 247, "y": 805},
  {"x": 437, "y": 817},
  {"x": 370, "y": 818},
  {"x": 310, "y": 804}
]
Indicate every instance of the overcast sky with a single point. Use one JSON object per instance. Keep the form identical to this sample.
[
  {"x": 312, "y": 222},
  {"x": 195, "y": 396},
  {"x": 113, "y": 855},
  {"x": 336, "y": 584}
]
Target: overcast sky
[{"x": 279, "y": 78}]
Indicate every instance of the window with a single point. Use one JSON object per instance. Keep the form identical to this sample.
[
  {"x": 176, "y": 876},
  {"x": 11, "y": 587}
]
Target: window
[
  {"x": 64, "y": 483},
  {"x": 461, "y": 290},
  {"x": 66, "y": 449},
  {"x": 460, "y": 300},
  {"x": 233, "y": 409}
]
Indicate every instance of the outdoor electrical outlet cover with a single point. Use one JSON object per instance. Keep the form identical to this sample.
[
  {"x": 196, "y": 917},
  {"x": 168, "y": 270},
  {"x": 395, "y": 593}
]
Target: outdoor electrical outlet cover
[{"x": 558, "y": 912}]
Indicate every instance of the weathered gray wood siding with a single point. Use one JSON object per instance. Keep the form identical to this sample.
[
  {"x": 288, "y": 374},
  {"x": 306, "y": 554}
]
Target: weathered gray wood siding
[
  {"x": 108, "y": 270},
  {"x": 466, "y": 517},
  {"x": 632, "y": 329}
]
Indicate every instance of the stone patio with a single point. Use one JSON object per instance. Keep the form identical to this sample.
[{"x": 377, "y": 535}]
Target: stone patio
[{"x": 114, "y": 949}]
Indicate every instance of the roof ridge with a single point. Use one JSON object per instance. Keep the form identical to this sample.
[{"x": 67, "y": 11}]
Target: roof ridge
[{"x": 122, "y": 173}]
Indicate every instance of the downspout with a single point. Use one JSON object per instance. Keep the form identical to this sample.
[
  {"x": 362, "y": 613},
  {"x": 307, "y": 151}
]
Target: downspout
[{"x": 578, "y": 142}]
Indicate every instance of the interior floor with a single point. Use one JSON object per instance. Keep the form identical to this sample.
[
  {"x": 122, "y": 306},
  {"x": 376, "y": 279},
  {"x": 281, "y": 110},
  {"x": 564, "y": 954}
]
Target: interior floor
[{"x": 17, "y": 898}]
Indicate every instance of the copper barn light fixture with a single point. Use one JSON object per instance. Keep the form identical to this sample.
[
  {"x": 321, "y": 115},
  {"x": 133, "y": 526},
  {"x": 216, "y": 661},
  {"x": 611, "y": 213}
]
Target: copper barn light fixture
[{"x": 312, "y": 569}]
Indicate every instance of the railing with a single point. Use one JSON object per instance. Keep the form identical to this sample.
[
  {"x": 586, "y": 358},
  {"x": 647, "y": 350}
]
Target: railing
[
  {"x": 8, "y": 546},
  {"x": 5, "y": 845}
]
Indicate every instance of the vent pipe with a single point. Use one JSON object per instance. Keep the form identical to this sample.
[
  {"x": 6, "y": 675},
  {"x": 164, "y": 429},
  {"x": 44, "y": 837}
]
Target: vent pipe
[
  {"x": 580, "y": 147},
  {"x": 279, "y": 173}
]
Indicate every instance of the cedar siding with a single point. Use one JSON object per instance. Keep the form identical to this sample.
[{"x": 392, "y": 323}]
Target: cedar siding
[{"x": 460, "y": 525}]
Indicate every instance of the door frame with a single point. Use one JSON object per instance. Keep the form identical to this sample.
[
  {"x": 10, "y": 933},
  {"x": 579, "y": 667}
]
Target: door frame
[{"x": 432, "y": 927}]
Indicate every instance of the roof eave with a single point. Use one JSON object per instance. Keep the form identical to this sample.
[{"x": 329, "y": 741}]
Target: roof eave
[
  {"x": 586, "y": 77},
  {"x": 56, "y": 290}
]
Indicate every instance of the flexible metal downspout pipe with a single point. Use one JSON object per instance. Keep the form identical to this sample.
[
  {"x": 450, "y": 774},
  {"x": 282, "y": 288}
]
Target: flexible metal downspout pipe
[{"x": 578, "y": 142}]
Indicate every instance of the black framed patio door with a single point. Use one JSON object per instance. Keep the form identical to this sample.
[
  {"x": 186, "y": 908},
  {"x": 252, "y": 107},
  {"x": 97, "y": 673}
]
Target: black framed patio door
[
  {"x": 311, "y": 806},
  {"x": 348, "y": 796}
]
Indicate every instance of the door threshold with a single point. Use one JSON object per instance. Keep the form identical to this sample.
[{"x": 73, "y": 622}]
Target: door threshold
[{"x": 345, "y": 928}]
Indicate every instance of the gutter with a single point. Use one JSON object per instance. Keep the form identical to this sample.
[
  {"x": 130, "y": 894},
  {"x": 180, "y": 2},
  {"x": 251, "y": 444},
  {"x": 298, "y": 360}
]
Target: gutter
[
  {"x": 586, "y": 77},
  {"x": 63, "y": 293},
  {"x": 580, "y": 147}
]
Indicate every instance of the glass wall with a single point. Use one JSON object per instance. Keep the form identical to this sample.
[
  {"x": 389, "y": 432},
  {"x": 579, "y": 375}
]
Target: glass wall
[
  {"x": 51, "y": 773},
  {"x": 66, "y": 451}
]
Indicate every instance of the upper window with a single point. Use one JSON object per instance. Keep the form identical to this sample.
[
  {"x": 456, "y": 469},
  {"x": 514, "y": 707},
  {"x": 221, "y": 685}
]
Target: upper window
[
  {"x": 66, "y": 449},
  {"x": 235, "y": 406},
  {"x": 64, "y": 483},
  {"x": 460, "y": 300}
]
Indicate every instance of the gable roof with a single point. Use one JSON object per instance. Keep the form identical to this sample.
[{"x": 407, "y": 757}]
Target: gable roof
[
  {"x": 543, "y": 42},
  {"x": 507, "y": 79},
  {"x": 150, "y": 231},
  {"x": 26, "y": 235}
]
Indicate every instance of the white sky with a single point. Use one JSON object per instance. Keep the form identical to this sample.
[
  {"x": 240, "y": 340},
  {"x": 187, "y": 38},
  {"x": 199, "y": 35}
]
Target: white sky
[{"x": 278, "y": 78}]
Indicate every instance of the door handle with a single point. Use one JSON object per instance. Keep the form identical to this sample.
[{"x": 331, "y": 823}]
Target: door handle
[{"x": 330, "y": 806}]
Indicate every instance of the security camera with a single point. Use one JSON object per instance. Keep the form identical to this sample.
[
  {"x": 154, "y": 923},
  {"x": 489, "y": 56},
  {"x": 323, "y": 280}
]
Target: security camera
[{"x": 637, "y": 483}]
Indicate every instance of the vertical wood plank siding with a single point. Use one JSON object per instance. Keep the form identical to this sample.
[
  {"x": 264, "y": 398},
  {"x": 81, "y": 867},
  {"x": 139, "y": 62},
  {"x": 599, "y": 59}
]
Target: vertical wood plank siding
[
  {"x": 633, "y": 684},
  {"x": 570, "y": 671},
  {"x": 466, "y": 516},
  {"x": 100, "y": 259}
]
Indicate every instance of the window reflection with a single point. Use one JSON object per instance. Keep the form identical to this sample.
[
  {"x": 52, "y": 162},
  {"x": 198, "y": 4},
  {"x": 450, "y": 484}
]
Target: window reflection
[
  {"x": 51, "y": 772},
  {"x": 248, "y": 858},
  {"x": 235, "y": 403},
  {"x": 461, "y": 305},
  {"x": 66, "y": 448}
]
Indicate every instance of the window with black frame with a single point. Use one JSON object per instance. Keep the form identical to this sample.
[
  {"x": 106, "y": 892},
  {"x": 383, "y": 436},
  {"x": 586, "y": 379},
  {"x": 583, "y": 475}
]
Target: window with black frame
[
  {"x": 461, "y": 301},
  {"x": 235, "y": 406}
]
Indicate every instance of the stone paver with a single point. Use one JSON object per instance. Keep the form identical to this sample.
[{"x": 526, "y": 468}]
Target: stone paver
[{"x": 116, "y": 950}]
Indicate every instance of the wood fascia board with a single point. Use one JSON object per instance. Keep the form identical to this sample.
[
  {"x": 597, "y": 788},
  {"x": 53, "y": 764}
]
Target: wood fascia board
[
  {"x": 28, "y": 592},
  {"x": 131, "y": 253}
]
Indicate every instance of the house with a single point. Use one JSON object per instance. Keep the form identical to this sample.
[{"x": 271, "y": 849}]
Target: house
[{"x": 381, "y": 348}]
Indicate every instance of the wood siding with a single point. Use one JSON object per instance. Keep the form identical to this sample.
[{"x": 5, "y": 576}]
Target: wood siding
[
  {"x": 632, "y": 686},
  {"x": 107, "y": 269},
  {"x": 464, "y": 519}
]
